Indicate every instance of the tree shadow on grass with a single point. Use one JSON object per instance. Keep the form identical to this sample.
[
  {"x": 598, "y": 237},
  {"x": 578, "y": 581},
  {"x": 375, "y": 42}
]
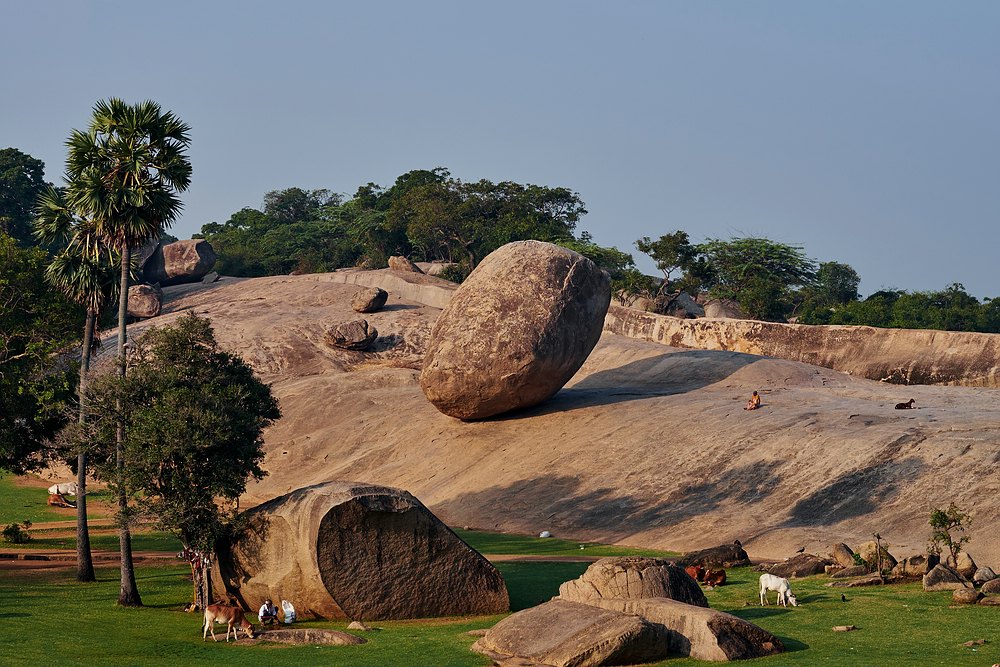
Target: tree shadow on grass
[{"x": 663, "y": 375}]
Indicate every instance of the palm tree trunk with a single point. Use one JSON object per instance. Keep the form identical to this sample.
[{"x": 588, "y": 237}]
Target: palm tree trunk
[
  {"x": 84, "y": 560},
  {"x": 128, "y": 596}
]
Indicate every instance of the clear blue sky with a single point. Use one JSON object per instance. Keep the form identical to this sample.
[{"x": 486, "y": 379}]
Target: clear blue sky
[{"x": 867, "y": 132}]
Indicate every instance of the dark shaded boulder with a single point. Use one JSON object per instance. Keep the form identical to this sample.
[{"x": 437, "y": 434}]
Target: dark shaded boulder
[
  {"x": 944, "y": 578},
  {"x": 180, "y": 262},
  {"x": 570, "y": 634},
  {"x": 144, "y": 301},
  {"x": 800, "y": 565},
  {"x": 912, "y": 566},
  {"x": 356, "y": 551},
  {"x": 400, "y": 263},
  {"x": 991, "y": 587},
  {"x": 724, "y": 555},
  {"x": 369, "y": 299},
  {"x": 515, "y": 331},
  {"x": 853, "y": 571},
  {"x": 356, "y": 335},
  {"x": 633, "y": 577}
]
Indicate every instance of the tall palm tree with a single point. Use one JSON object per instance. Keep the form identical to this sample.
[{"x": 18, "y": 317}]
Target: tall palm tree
[
  {"x": 85, "y": 275},
  {"x": 125, "y": 173}
]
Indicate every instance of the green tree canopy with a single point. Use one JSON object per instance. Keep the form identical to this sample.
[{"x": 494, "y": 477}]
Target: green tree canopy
[{"x": 22, "y": 180}]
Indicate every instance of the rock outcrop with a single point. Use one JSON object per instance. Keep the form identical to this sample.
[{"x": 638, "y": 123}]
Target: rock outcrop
[
  {"x": 965, "y": 566},
  {"x": 180, "y": 262},
  {"x": 724, "y": 309},
  {"x": 348, "y": 550},
  {"x": 369, "y": 300},
  {"x": 944, "y": 578},
  {"x": 516, "y": 330},
  {"x": 630, "y": 577},
  {"x": 144, "y": 301},
  {"x": 912, "y": 566},
  {"x": 991, "y": 587},
  {"x": 400, "y": 263},
  {"x": 354, "y": 335},
  {"x": 842, "y": 554},
  {"x": 724, "y": 555},
  {"x": 983, "y": 575},
  {"x": 800, "y": 565}
]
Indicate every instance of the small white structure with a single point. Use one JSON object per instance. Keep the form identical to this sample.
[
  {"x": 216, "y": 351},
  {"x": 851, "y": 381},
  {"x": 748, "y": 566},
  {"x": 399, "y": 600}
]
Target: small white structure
[{"x": 545, "y": 533}]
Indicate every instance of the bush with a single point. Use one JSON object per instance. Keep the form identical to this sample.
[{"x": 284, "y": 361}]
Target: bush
[
  {"x": 15, "y": 534},
  {"x": 456, "y": 273}
]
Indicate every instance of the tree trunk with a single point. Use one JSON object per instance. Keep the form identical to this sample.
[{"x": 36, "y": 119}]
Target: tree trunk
[
  {"x": 128, "y": 596},
  {"x": 84, "y": 560}
]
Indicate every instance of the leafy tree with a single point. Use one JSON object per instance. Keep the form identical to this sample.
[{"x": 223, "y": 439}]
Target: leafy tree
[
  {"x": 36, "y": 380},
  {"x": 297, "y": 205},
  {"x": 124, "y": 174},
  {"x": 836, "y": 283},
  {"x": 671, "y": 252},
  {"x": 759, "y": 274},
  {"x": 194, "y": 417},
  {"x": 947, "y": 530},
  {"x": 22, "y": 180}
]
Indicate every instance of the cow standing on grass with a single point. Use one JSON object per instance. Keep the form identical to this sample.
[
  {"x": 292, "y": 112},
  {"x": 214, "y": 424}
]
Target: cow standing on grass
[
  {"x": 233, "y": 618},
  {"x": 769, "y": 582}
]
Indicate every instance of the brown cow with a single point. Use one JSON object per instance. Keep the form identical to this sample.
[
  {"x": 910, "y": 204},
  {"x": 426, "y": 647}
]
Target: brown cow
[
  {"x": 231, "y": 616},
  {"x": 697, "y": 572},
  {"x": 715, "y": 577}
]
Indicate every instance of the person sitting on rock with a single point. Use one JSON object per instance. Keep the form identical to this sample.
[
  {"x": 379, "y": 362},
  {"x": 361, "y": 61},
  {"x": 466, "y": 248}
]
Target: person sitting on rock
[
  {"x": 754, "y": 402},
  {"x": 268, "y": 613}
]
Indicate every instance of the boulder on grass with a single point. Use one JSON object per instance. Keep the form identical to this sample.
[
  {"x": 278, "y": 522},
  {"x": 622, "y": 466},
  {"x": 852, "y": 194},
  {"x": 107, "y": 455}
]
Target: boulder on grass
[
  {"x": 991, "y": 587},
  {"x": 515, "y": 331},
  {"x": 724, "y": 555},
  {"x": 853, "y": 571},
  {"x": 800, "y": 565},
  {"x": 144, "y": 301},
  {"x": 983, "y": 575},
  {"x": 842, "y": 554},
  {"x": 702, "y": 633},
  {"x": 633, "y": 577},
  {"x": 965, "y": 596},
  {"x": 400, "y": 263},
  {"x": 912, "y": 566},
  {"x": 570, "y": 634},
  {"x": 180, "y": 262},
  {"x": 356, "y": 551},
  {"x": 944, "y": 578},
  {"x": 965, "y": 566},
  {"x": 869, "y": 551},
  {"x": 369, "y": 299},
  {"x": 357, "y": 335}
]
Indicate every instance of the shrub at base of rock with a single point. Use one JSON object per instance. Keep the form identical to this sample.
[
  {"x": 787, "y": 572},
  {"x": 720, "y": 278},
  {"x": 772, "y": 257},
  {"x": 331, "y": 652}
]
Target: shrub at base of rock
[
  {"x": 801, "y": 565},
  {"x": 843, "y": 555},
  {"x": 349, "y": 550},
  {"x": 944, "y": 578},
  {"x": 357, "y": 335},
  {"x": 633, "y": 577},
  {"x": 724, "y": 555},
  {"x": 400, "y": 263},
  {"x": 180, "y": 262},
  {"x": 965, "y": 596},
  {"x": 570, "y": 634},
  {"x": 515, "y": 331},
  {"x": 991, "y": 587},
  {"x": 369, "y": 299},
  {"x": 144, "y": 301}
]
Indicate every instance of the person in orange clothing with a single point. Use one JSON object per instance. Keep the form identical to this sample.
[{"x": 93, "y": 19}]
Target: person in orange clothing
[{"x": 754, "y": 402}]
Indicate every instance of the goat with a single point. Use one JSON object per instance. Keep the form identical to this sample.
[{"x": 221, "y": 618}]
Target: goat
[
  {"x": 905, "y": 406},
  {"x": 769, "y": 582},
  {"x": 231, "y": 616}
]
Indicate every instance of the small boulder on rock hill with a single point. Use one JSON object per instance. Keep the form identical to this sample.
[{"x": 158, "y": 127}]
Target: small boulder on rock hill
[
  {"x": 515, "y": 331},
  {"x": 144, "y": 301},
  {"x": 180, "y": 262},
  {"x": 400, "y": 263},
  {"x": 633, "y": 577},
  {"x": 356, "y": 335},
  {"x": 724, "y": 555},
  {"x": 369, "y": 299}
]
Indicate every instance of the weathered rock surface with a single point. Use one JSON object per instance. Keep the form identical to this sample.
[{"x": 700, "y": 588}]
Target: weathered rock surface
[
  {"x": 144, "y": 301},
  {"x": 912, "y": 566},
  {"x": 702, "y": 633},
  {"x": 991, "y": 587},
  {"x": 400, "y": 263},
  {"x": 983, "y": 575},
  {"x": 842, "y": 554},
  {"x": 853, "y": 571},
  {"x": 724, "y": 555},
  {"x": 180, "y": 262},
  {"x": 966, "y": 596},
  {"x": 868, "y": 551},
  {"x": 369, "y": 300},
  {"x": 354, "y": 335},
  {"x": 210, "y": 277},
  {"x": 800, "y": 565},
  {"x": 633, "y": 577},
  {"x": 570, "y": 634},
  {"x": 724, "y": 309},
  {"x": 310, "y": 636},
  {"x": 965, "y": 566},
  {"x": 516, "y": 330},
  {"x": 348, "y": 550},
  {"x": 944, "y": 578}
]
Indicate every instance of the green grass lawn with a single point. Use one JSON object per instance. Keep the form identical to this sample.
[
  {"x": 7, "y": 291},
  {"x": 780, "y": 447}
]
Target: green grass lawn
[
  {"x": 103, "y": 540},
  {"x": 18, "y": 503},
  {"x": 505, "y": 543}
]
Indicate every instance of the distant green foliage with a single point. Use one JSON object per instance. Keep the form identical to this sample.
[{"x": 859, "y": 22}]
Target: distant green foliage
[
  {"x": 22, "y": 180},
  {"x": 17, "y": 533}
]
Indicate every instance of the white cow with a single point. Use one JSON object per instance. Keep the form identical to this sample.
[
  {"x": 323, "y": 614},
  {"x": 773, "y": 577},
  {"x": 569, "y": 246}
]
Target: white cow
[
  {"x": 64, "y": 489},
  {"x": 769, "y": 582}
]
